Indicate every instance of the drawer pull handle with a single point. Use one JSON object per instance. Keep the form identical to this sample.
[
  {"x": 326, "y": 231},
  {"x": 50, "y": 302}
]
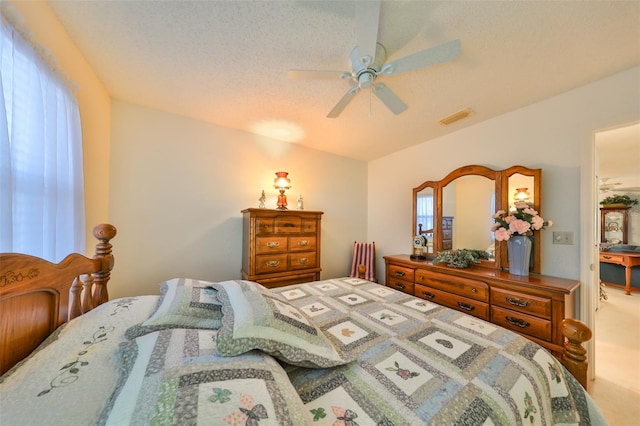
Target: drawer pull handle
[
  {"x": 607, "y": 257},
  {"x": 400, "y": 285},
  {"x": 518, "y": 322},
  {"x": 303, "y": 243},
  {"x": 273, "y": 244},
  {"x": 518, "y": 302},
  {"x": 400, "y": 273},
  {"x": 428, "y": 295},
  {"x": 288, "y": 225},
  {"x": 474, "y": 290},
  {"x": 273, "y": 263},
  {"x": 466, "y": 306},
  {"x": 303, "y": 260}
]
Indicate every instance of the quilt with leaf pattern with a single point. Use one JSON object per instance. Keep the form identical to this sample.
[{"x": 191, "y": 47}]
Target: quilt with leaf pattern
[
  {"x": 342, "y": 351},
  {"x": 421, "y": 363}
]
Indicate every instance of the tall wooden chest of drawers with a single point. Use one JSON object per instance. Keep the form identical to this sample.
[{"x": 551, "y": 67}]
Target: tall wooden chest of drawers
[
  {"x": 533, "y": 305},
  {"x": 281, "y": 247}
]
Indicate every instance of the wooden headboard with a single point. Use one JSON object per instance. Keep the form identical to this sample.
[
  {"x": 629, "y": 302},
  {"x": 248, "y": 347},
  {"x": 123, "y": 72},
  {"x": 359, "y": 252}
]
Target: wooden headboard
[{"x": 37, "y": 296}]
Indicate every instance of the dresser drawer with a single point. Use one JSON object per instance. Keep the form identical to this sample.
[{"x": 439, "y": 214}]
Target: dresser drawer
[
  {"x": 612, "y": 258},
  {"x": 400, "y": 284},
  {"x": 463, "y": 304},
  {"x": 302, "y": 243},
  {"x": 287, "y": 224},
  {"x": 288, "y": 280},
  {"x": 466, "y": 287},
  {"x": 270, "y": 263},
  {"x": 400, "y": 272},
  {"x": 302, "y": 260},
  {"x": 309, "y": 226},
  {"x": 264, "y": 225},
  {"x": 516, "y": 301},
  {"x": 521, "y": 323},
  {"x": 271, "y": 244}
]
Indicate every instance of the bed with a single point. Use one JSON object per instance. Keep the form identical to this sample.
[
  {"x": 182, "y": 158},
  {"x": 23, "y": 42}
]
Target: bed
[{"x": 338, "y": 351}]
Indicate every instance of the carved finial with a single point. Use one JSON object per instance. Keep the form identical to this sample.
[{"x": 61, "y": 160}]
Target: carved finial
[{"x": 104, "y": 232}]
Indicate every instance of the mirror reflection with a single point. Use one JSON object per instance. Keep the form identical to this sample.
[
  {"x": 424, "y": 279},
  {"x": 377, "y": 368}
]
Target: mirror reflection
[
  {"x": 467, "y": 203},
  {"x": 425, "y": 217},
  {"x": 521, "y": 189}
]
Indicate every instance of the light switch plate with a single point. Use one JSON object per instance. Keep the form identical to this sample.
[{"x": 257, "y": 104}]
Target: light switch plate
[{"x": 560, "y": 237}]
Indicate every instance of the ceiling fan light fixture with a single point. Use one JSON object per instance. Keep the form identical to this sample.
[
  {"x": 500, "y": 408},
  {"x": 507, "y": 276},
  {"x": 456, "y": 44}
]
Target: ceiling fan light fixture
[
  {"x": 455, "y": 117},
  {"x": 365, "y": 80}
]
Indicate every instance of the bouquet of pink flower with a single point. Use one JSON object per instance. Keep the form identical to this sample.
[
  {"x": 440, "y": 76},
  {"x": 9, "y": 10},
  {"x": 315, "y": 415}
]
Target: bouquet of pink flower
[{"x": 523, "y": 221}]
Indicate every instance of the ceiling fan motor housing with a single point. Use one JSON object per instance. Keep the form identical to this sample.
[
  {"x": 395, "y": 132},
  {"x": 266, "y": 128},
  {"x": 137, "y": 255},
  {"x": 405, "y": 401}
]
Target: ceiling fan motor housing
[{"x": 366, "y": 69}]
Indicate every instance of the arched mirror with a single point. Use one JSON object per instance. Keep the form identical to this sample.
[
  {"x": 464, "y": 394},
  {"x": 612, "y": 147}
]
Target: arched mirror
[
  {"x": 468, "y": 199},
  {"x": 457, "y": 211}
]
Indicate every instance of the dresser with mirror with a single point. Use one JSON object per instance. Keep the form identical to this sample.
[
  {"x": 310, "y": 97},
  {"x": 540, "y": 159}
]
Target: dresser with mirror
[{"x": 455, "y": 213}]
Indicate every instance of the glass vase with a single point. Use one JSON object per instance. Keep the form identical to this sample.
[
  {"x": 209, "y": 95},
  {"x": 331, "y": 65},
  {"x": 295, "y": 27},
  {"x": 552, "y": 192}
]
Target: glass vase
[{"x": 519, "y": 250}]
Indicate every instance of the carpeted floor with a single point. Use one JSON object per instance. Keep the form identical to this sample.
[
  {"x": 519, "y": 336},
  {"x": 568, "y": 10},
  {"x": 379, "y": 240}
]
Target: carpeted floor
[{"x": 616, "y": 389}]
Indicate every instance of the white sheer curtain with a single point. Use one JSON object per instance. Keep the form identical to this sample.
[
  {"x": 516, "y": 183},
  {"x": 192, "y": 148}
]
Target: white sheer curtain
[
  {"x": 41, "y": 176},
  {"x": 424, "y": 211}
]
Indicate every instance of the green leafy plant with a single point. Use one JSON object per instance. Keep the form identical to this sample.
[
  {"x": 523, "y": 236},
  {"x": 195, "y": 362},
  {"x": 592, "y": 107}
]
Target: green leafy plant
[
  {"x": 461, "y": 258},
  {"x": 619, "y": 199}
]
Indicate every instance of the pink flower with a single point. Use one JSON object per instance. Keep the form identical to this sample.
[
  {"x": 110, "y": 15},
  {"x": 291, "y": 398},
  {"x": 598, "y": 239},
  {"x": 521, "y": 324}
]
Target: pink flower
[
  {"x": 519, "y": 226},
  {"x": 521, "y": 221},
  {"x": 537, "y": 222},
  {"x": 502, "y": 234}
]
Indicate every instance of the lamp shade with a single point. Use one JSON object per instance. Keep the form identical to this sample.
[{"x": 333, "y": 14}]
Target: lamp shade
[
  {"x": 522, "y": 194},
  {"x": 282, "y": 181}
]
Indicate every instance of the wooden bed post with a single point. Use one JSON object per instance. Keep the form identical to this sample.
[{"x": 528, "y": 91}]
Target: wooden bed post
[
  {"x": 574, "y": 355},
  {"x": 103, "y": 233}
]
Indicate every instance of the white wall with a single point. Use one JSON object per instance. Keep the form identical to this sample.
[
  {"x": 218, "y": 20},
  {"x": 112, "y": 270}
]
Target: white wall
[
  {"x": 178, "y": 186},
  {"x": 555, "y": 135}
]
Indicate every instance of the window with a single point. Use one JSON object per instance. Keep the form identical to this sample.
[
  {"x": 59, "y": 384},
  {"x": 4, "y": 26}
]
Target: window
[
  {"x": 424, "y": 211},
  {"x": 41, "y": 175}
]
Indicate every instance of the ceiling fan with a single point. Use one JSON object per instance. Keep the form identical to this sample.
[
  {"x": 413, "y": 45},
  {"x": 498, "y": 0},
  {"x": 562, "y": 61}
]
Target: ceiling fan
[
  {"x": 368, "y": 62},
  {"x": 606, "y": 186}
]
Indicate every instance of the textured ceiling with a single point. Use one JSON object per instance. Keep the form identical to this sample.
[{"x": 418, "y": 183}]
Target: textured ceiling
[{"x": 226, "y": 62}]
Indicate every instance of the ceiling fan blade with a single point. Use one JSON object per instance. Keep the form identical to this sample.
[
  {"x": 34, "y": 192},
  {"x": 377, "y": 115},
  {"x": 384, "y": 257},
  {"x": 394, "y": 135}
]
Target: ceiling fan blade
[
  {"x": 435, "y": 55},
  {"x": 343, "y": 102},
  {"x": 367, "y": 22},
  {"x": 317, "y": 75},
  {"x": 393, "y": 102}
]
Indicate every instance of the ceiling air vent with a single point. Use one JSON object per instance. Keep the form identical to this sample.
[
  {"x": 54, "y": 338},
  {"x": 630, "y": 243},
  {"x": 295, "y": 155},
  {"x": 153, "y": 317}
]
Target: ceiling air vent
[{"x": 456, "y": 116}]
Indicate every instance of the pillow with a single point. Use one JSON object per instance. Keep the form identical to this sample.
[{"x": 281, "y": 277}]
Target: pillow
[
  {"x": 255, "y": 318},
  {"x": 175, "y": 377},
  {"x": 185, "y": 303}
]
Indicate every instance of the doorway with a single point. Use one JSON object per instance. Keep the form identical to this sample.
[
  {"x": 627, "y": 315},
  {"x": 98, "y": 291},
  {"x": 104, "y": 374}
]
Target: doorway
[{"x": 614, "y": 358}]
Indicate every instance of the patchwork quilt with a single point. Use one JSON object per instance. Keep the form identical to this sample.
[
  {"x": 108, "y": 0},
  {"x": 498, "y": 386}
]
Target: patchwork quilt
[
  {"x": 337, "y": 352},
  {"x": 421, "y": 363}
]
